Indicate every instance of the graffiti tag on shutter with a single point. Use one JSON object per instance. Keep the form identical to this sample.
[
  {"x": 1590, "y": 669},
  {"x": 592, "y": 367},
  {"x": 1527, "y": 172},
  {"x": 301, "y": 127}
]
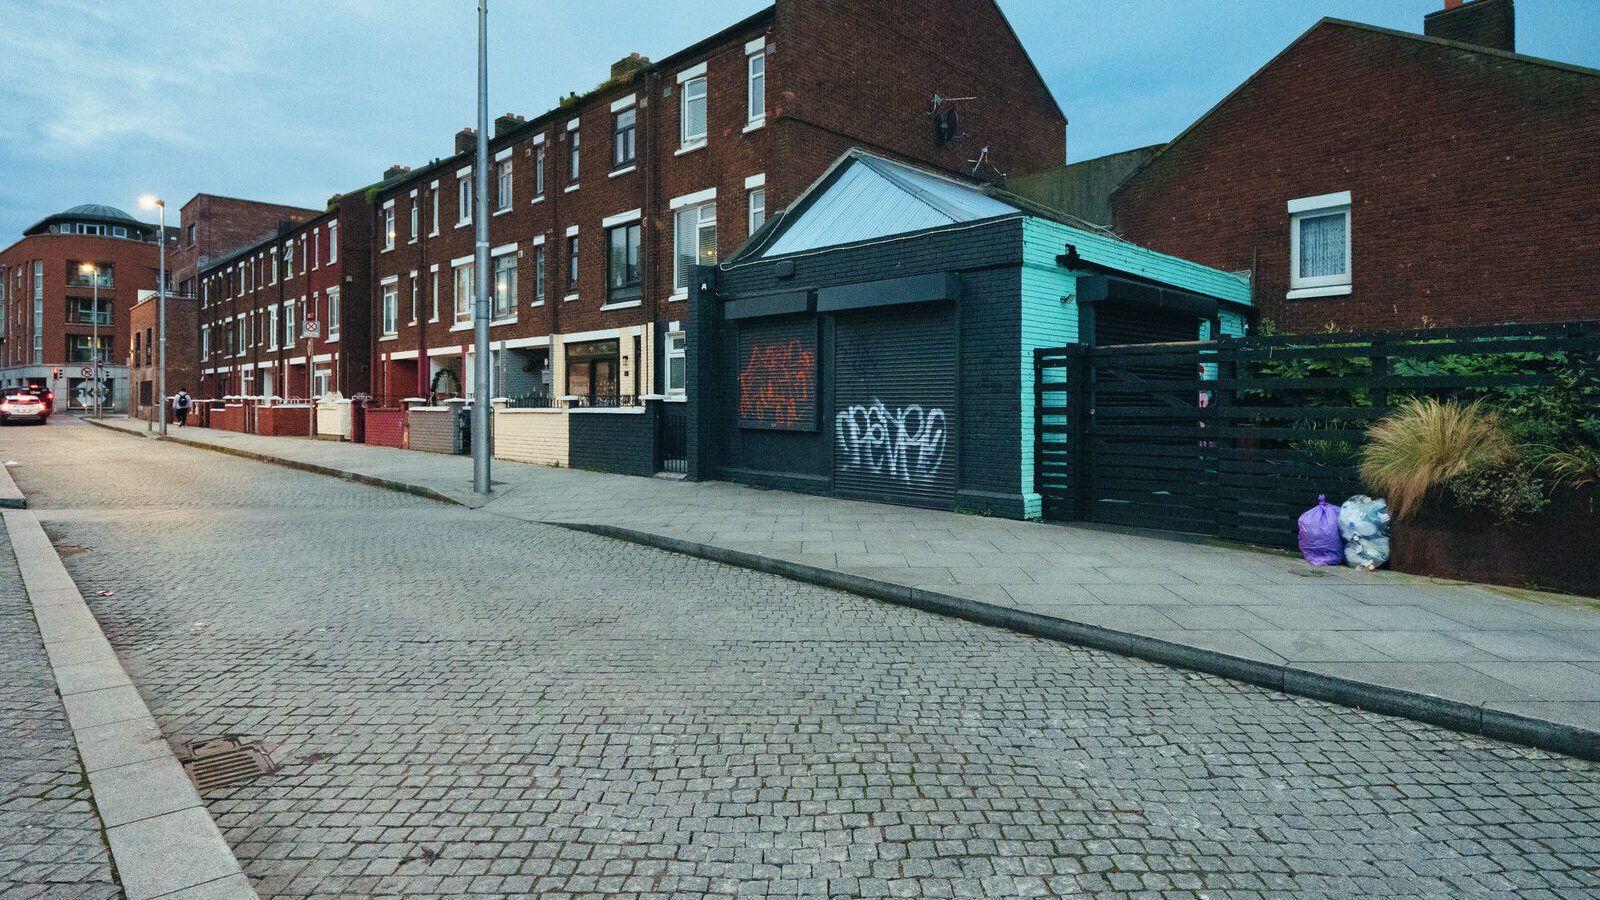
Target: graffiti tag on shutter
[
  {"x": 906, "y": 444},
  {"x": 778, "y": 386}
]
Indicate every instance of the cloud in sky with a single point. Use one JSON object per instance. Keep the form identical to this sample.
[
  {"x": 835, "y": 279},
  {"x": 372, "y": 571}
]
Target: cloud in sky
[{"x": 296, "y": 100}]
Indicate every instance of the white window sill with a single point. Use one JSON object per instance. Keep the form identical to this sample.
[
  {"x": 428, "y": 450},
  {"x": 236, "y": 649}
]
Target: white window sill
[
  {"x": 538, "y": 199},
  {"x": 756, "y": 125},
  {"x": 461, "y": 326},
  {"x": 511, "y": 320},
  {"x": 626, "y": 304},
  {"x": 464, "y": 224},
  {"x": 570, "y": 188},
  {"x": 332, "y": 339},
  {"x": 537, "y": 303},
  {"x": 689, "y": 148},
  {"x": 681, "y": 294},
  {"x": 623, "y": 171},
  {"x": 434, "y": 233},
  {"x": 390, "y": 337},
  {"x": 412, "y": 323},
  {"x": 569, "y": 298},
  {"x": 1334, "y": 290},
  {"x": 501, "y": 211},
  {"x": 434, "y": 320},
  {"x": 412, "y": 241}
]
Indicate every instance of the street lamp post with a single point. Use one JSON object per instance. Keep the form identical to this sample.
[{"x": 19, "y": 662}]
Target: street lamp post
[
  {"x": 93, "y": 271},
  {"x": 161, "y": 307},
  {"x": 481, "y": 280}
]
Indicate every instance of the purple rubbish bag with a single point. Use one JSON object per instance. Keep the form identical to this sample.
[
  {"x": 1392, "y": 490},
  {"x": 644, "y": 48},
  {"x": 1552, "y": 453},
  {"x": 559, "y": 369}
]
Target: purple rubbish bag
[{"x": 1320, "y": 543}]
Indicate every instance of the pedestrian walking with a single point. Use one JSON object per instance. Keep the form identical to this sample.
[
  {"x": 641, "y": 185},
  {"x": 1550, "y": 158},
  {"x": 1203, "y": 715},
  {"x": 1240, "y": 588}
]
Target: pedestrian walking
[{"x": 180, "y": 407}]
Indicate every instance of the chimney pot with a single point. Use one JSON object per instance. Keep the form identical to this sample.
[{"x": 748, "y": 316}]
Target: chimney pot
[
  {"x": 506, "y": 123},
  {"x": 394, "y": 171}
]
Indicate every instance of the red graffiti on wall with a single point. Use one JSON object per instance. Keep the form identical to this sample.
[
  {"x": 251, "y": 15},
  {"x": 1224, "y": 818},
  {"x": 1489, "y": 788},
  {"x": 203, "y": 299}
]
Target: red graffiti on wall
[{"x": 777, "y": 382}]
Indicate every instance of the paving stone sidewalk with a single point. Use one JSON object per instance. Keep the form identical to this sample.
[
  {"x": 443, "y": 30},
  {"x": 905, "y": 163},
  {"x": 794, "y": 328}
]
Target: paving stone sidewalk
[
  {"x": 50, "y": 834},
  {"x": 1512, "y": 652}
]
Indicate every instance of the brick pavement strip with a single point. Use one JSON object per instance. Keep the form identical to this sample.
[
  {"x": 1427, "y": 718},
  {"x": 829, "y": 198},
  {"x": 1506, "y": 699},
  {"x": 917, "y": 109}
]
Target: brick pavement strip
[{"x": 465, "y": 704}]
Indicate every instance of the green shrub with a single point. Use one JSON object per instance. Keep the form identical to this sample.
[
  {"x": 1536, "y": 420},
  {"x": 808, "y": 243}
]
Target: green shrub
[{"x": 1509, "y": 490}]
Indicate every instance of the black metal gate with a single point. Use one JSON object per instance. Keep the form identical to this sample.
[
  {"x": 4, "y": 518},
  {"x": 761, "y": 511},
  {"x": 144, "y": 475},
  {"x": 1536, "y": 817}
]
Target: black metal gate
[
  {"x": 1237, "y": 437},
  {"x": 894, "y": 399},
  {"x": 673, "y": 438}
]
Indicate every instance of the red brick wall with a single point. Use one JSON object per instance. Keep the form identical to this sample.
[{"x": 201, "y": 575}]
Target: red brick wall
[
  {"x": 864, "y": 73},
  {"x": 1473, "y": 180},
  {"x": 386, "y": 427},
  {"x": 283, "y": 421},
  {"x": 183, "y": 353},
  {"x": 224, "y": 224}
]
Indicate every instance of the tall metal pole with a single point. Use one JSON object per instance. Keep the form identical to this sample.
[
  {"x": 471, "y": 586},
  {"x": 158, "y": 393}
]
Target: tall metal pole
[
  {"x": 161, "y": 317},
  {"x": 96, "y": 338},
  {"x": 481, "y": 450}
]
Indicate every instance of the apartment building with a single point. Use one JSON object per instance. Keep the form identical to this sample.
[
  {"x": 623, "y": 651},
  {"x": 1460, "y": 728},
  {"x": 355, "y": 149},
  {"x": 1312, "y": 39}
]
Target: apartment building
[
  {"x": 600, "y": 209},
  {"x": 65, "y": 290},
  {"x": 276, "y": 316}
]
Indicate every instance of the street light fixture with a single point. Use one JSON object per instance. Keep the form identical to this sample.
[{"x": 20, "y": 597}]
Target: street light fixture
[
  {"x": 93, "y": 271},
  {"x": 148, "y": 201}
]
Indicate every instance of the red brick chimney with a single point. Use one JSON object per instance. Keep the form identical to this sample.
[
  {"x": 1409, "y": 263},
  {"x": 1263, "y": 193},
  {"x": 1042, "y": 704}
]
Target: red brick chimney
[
  {"x": 1486, "y": 23},
  {"x": 466, "y": 140}
]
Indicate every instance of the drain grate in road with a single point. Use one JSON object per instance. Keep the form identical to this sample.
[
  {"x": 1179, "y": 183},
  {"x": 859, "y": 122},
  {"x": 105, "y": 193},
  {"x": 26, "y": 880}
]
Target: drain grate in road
[{"x": 215, "y": 762}]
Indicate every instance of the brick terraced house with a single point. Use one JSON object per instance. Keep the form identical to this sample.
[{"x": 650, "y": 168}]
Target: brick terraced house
[
  {"x": 255, "y": 302},
  {"x": 49, "y": 301},
  {"x": 1373, "y": 178},
  {"x": 600, "y": 209}
]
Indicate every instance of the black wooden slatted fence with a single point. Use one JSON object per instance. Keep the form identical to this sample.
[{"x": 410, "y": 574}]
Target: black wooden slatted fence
[{"x": 1236, "y": 437}]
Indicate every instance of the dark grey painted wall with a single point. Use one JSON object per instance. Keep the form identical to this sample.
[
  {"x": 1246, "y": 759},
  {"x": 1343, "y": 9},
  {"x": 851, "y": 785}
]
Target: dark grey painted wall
[
  {"x": 619, "y": 442},
  {"x": 987, "y": 259}
]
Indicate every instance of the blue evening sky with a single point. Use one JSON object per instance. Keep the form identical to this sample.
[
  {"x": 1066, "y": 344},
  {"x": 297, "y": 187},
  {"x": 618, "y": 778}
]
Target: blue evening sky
[{"x": 296, "y": 100}]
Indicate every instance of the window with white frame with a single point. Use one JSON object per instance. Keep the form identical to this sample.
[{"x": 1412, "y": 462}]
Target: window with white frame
[
  {"x": 205, "y": 341},
  {"x": 288, "y": 323},
  {"x": 302, "y": 254},
  {"x": 416, "y": 220},
  {"x": 623, "y": 269},
  {"x": 333, "y": 312},
  {"x": 693, "y": 113},
  {"x": 623, "y": 138},
  {"x": 415, "y": 290},
  {"x": 464, "y": 199},
  {"x": 538, "y": 274},
  {"x": 538, "y": 171},
  {"x": 502, "y": 178},
  {"x": 435, "y": 316},
  {"x": 272, "y": 328},
  {"x": 388, "y": 228},
  {"x": 463, "y": 286},
  {"x": 288, "y": 259},
  {"x": 758, "y": 209},
  {"x": 391, "y": 309},
  {"x": 316, "y": 248},
  {"x": 333, "y": 242},
  {"x": 756, "y": 80},
  {"x": 505, "y": 285},
  {"x": 572, "y": 263},
  {"x": 677, "y": 364},
  {"x": 695, "y": 243},
  {"x": 574, "y": 154},
  {"x": 272, "y": 267},
  {"x": 1319, "y": 246},
  {"x": 435, "y": 229}
]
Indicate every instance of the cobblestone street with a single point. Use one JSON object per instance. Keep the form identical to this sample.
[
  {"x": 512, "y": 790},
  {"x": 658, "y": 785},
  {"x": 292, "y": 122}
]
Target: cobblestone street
[
  {"x": 465, "y": 704},
  {"x": 50, "y": 841}
]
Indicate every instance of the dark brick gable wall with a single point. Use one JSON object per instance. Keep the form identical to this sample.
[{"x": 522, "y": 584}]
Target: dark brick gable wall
[
  {"x": 1473, "y": 178},
  {"x": 864, "y": 73}
]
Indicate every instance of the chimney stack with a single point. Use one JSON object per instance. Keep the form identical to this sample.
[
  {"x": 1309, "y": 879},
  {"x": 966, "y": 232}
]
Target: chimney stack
[
  {"x": 506, "y": 123},
  {"x": 1486, "y": 23},
  {"x": 466, "y": 140},
  {"x": 395, "y": 172},
  {"x": 625, "y": 67}
]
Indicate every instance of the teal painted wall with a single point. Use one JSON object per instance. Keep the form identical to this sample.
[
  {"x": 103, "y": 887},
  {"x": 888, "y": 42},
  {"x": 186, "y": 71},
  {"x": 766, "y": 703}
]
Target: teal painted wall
[
  {"x": 1050, "y": 311},
  {"x": 1049, "y": 319}
]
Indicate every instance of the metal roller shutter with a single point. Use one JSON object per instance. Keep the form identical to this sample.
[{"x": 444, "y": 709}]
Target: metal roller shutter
[
  {"x": 895, "y": 406},
  {"x": 1116, "y": 324}
]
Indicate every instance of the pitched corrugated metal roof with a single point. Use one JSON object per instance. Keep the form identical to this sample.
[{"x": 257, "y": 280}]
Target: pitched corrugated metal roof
[{"x": 874, "y": 197}]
